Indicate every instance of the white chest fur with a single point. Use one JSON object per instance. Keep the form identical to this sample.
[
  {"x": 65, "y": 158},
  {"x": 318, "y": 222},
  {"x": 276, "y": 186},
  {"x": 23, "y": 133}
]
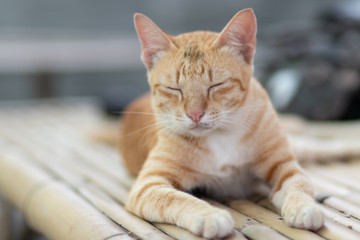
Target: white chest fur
[
  {"x": 226, "y": 150},
  {"x": 225, "y": 169}
]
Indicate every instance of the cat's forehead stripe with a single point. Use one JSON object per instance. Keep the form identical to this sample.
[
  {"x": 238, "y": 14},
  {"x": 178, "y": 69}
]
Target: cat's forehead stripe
[
  {"x": 210, "y": 75},
  {"x": 177, "y": 78},
  {"x": 193, "y": 52}
]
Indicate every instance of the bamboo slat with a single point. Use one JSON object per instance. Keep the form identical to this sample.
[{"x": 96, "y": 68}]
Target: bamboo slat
[
  {"x": 182, "y": 234},
  {"x": 176, "y": 232},
  {"x": 322, "y": 129},
  {"x": 50, "y": 206},
  {"x": 350, "y": 129},
  {"x": 71, "y": 187},
  {"x": 327, "y": 188},
  {"x": 343, "y": 206},
  {"x": 338, "y": 179},
  {"x": 74, "y": 172},
  {"x": 349, "y": 170},
  {"x": 271, "y": 219},
  {"x": 332, "y": 229},
  {"x": 249, "y": 226},
  {"x": 118, "y": 214},
  {"x": 340, "y": 218},
  {"x": 83, "y": 174}
]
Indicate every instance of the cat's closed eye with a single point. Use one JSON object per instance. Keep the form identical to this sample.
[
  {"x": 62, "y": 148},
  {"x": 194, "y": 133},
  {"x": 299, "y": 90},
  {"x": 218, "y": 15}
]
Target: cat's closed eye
[
  {"x": 175, "y": 91},
  {"x": 214, "y": 87},
  {"x": 178, "y": 90}
]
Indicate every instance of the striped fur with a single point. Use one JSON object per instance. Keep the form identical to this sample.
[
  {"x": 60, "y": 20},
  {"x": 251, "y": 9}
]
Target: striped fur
[{"x": 207, "y": 124}]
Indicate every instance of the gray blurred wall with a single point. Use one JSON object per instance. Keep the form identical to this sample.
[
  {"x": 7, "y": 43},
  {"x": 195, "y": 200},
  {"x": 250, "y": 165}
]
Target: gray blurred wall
[{"x": 112, "y": 19}]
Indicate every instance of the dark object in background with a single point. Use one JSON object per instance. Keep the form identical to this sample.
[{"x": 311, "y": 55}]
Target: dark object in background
[
  {"x": 316, "y": 72},
  {"x": 115, "y": 100}
]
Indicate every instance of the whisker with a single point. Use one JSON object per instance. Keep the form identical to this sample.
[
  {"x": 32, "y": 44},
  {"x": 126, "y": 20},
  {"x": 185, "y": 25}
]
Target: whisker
[
  {"x": 143, "y": 128},
  {"x": 246, "y": 121},
  {"x": 151, "y": 138}
]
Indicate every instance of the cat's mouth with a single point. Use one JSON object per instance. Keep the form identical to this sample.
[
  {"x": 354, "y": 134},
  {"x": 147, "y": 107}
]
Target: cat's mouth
[{"x": 200, "y": 128}]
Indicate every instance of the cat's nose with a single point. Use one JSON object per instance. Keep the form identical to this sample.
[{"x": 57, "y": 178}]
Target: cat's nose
[{"x": 196, "y": 116}]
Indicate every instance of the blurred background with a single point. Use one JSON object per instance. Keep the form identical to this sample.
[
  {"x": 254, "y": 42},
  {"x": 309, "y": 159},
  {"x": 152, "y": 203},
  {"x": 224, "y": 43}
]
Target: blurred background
[{"x": 307, "y": 56}]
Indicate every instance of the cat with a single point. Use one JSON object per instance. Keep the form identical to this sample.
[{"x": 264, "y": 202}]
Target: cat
[{"x": 208, "y": 123}]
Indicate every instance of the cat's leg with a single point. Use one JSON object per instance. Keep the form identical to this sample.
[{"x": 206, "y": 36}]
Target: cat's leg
[
  {"x": 157, "y": 197},
  {"x": 292, "y": 192}
]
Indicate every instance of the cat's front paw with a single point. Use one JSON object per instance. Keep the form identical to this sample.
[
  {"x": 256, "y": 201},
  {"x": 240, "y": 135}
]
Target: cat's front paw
[
  {"x": 303, "y": 214},
  {"x": 213, "y": 224}
]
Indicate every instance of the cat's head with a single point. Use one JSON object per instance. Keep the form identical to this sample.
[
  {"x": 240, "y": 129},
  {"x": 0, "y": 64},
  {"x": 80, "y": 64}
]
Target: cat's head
[{"x": 199, "y": 80}]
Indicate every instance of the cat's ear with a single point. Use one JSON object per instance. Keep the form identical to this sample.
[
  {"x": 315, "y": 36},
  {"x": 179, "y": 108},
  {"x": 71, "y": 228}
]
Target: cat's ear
[
  {"x": 240, "y": 34},
  {"x": 153, "y": 39}
]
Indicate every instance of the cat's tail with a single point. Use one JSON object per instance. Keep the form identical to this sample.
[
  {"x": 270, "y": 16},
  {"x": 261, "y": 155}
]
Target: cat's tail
[{"x": 323, "y": 141}]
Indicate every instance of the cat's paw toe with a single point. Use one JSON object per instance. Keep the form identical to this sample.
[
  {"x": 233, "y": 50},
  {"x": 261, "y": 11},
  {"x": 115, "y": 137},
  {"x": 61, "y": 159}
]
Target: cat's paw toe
[
  {"x": 306, "y": 216},
  {"x": 217, "y": 224}
]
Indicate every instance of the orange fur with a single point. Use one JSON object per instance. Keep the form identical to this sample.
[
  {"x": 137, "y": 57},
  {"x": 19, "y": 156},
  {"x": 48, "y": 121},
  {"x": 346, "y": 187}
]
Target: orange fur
[{"x": 207, "y": 123}]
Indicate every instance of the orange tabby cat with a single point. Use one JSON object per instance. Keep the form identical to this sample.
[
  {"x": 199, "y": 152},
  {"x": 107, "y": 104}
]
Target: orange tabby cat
[{"x": 208, "y": 124}]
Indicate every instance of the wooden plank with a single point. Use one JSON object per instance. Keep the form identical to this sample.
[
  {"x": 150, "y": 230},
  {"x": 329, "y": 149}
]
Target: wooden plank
[
  {"x": 343, "y": 206},
  {"x": 271, "y": 219},
  {"x": 93, "y": 173},
  {"x": 349, "y": 170},
  {"x": 182, "y": 234},
  {"x": 332, "y": 229},
  {"x": 176, "y": 232},
  {"x": 86, "y": 173},
  {"x": 249, "y": 226},
  {"x": 341, "y": 218},
  {"x": 118, "y": 214},
  {"x": 327, "y": 188},
  {"x": 69, "y": 168},
  {"x": 50, "y": 206},
  {"x": 341, "y": 180}
]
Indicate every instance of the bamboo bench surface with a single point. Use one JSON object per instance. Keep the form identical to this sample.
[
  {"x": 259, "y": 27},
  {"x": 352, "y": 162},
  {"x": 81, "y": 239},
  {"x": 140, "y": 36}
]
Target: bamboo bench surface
[{"x": 69, "y": 186}]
